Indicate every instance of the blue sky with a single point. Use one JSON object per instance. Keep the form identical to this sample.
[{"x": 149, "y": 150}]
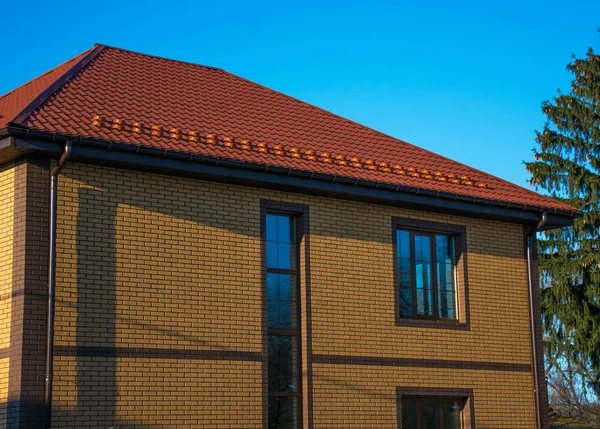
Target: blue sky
[{"x": 463, "y": 79}]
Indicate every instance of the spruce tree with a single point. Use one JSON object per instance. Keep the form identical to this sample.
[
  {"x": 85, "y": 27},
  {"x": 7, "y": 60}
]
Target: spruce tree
[{"x": 567, "y": 167}]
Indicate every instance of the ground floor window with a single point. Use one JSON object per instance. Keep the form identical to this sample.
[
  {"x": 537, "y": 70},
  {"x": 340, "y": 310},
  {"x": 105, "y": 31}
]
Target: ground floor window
[{"x": 432, "y": 413}]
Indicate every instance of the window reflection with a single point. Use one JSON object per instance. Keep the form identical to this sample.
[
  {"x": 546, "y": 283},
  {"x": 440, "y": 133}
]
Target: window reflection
[
  {"x": 283, "y": 363},
  {"x": 282, "y": 321},
  {"x": 452, "y": 415},
  {"x": 283, "y": 412},
  {"x": 281, "y": 246},
  {"x": 426, "y": 275},
  {"x": 429, "y": 413},
  {"x": 281, "y": 300},
  {"x": 445, "y": 276},
  {"x": 429, "y": 416},
  {"x": 424, "y": 283},
  {"x": 405, "y": 272}
]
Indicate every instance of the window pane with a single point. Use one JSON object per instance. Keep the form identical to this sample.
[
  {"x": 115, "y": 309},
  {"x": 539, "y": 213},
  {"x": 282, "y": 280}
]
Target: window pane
[
  {"x": 404, "y": 272},
  {"x": 447, "y": 305},
  {"x": 284, "y": 256},
  {"x": 272, "y": 227},
  {"x": 281, "y": 246},
  {"x": 283, "y": 412},
  {"x": 281, "y": 301},
  {"x": 429, "y": 415},
  {"x": 284, "y": 229},
  {"x": 445, "y": 277},
  {"x": 409, "y": 414},
  {"x": 283, "y": 363},
  {"x": 272, "y": 254},
  {"x": 423, "y": 279},
  {"x": 451, "y": 412},
  {"x": 406, "y": 301},
  {"x": 443, "y": 248}
]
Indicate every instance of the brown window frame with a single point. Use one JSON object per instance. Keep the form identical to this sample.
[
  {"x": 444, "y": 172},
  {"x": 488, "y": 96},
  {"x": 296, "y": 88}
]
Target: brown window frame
[
  {"x": 290, "y": 332},
  {"x": 438, "y": 394},
  {"x": 420, "y": 400},
  {"x": 459, "y": 236},
  {"x": 302, "y": 332},
  {"x": 434, "y": 283}
]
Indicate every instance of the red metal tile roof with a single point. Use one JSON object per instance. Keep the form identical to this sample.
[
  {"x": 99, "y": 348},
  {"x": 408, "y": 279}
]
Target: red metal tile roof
[
  {"x": 15, "y": 101},
  {"x": 114, "y": 94}
]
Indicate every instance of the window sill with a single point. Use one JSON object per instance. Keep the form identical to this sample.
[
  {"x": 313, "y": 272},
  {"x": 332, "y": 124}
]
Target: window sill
[{"x": 433, "y": 323}]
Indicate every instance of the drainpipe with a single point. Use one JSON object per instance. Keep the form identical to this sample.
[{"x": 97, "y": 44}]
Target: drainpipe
[
  {"x": 52, "y": 286},
  {"x": 532, "y": 316}
]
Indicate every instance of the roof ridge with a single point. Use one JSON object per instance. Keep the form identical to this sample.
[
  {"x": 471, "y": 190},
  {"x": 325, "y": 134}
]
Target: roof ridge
[
  {"x": 55, "y": 86},
  {"x": 129, "y": 51}
]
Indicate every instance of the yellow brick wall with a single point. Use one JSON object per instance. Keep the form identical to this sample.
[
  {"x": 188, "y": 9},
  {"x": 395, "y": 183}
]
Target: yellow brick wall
[
  {"x": 357, "y": 396},
  {"x": 148, "y": 393},
  {"x": 7, "y": 179},
  {"x": 157, "y": 262}
]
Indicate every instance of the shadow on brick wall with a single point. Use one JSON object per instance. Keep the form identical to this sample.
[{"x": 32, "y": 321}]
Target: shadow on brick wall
[
  {"x": 96, "y": 384},
  {"x": 86, "y": 375},
  {"x": 72, "y": 422}
]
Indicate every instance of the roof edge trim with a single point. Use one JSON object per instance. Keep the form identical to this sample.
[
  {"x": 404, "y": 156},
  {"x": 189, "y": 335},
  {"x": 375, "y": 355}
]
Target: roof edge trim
[
  {"x": 159, "y": 57},
  {"x": 56, "y": 85},
  {"x": 135, "y": 157}
]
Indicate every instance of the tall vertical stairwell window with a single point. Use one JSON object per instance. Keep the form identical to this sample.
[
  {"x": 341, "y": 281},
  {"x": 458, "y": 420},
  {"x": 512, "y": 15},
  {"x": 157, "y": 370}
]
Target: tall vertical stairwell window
[
  {"x": 426, "y": 275},
  {"x": 284, "y": 390}
]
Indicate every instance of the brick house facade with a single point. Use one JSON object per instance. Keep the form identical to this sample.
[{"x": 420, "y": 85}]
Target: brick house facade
[{"x": 197, "y": 270}]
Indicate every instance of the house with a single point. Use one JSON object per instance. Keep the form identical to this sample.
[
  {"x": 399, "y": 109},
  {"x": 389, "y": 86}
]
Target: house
[{"x": 182, "y": 247}]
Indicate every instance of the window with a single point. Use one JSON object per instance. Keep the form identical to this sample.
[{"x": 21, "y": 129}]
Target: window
[
  {"x": 284, "y": 393},
  {"x": 432, "y": 413},
  {"x": 435, "y": 408},
  {"x": 426, "y": 274}
]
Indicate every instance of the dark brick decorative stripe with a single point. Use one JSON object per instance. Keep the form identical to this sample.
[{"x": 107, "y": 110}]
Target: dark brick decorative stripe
[
  {"x": 5, "y": 352},
  {"x": 420, "y": 363},
  {"x": 11, "y": 295},
  {"x": 154, "y": 353}
]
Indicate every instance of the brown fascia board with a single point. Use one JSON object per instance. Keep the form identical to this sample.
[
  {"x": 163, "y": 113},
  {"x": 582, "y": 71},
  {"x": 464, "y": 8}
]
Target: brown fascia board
[{"x": 139, "y": 157}]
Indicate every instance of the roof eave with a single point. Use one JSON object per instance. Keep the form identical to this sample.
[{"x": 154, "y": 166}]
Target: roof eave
[{"x": 128, "y": 156}]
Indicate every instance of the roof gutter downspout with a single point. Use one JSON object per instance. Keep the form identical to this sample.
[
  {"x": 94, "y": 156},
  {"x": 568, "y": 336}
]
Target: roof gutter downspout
[
  {"x": 52, "y": 286},
  {"x": 532, "y": 316}
]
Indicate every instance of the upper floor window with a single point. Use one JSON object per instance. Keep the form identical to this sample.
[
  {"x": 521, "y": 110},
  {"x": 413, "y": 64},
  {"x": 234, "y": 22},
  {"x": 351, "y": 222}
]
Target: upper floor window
[{"x": 426, "y": 274}]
